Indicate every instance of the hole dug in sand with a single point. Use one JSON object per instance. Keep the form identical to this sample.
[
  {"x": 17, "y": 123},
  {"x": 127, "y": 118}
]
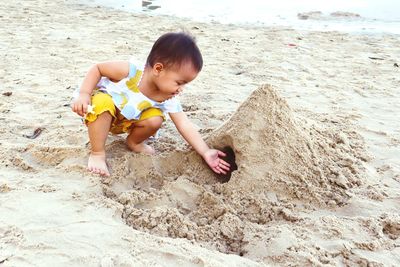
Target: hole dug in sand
[
  {"x": 285, "y": 164},
  {"x": 231, "y": 159}
]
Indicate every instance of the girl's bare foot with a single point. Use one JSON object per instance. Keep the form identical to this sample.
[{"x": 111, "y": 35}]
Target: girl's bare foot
[
  {"x": 97, "y": 163},
  {"x": 142, "y": 148}
]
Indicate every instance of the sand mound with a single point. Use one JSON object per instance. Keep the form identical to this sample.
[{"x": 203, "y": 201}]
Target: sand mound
[
  {"x": 284, "y": 164},
  {"x": 287, "y": 155}
]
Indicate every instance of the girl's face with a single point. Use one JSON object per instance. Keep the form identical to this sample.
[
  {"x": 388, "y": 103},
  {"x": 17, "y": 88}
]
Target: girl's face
[{"x": 171, "y": 81}]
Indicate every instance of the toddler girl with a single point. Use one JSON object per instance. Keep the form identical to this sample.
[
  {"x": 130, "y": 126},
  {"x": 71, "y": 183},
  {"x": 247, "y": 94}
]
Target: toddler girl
[{"x": 121, "y": 97}]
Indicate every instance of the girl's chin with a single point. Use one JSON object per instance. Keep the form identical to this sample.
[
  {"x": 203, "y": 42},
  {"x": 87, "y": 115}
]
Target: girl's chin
[{"x": 169, "y": 97}]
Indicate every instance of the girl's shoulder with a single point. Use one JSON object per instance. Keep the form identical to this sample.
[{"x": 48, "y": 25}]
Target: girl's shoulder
[{"x": 134, "y": 66}]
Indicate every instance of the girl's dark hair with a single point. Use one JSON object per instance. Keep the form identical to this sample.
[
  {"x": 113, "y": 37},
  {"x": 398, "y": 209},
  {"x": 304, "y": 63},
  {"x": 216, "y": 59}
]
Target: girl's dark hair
[{"x": 173, "y": 49}]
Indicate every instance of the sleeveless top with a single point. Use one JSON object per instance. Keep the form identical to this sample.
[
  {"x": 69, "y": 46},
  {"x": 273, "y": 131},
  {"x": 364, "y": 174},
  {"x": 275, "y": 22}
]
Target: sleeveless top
[{"x": 129, "y": 100}]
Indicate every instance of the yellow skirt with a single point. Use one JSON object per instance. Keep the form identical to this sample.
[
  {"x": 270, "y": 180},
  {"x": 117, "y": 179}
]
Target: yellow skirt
[{"x": 103, "y": 102}]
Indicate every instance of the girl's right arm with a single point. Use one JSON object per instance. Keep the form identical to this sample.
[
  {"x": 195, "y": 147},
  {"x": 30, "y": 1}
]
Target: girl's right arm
[{"x": 114, "y": 70}]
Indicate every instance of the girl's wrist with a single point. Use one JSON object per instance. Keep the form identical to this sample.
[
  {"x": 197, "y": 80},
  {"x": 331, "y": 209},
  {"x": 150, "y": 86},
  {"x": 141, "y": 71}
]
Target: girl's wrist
[
  {"x": 84, "y": 93},
  {"x": 203, "y": 151}
]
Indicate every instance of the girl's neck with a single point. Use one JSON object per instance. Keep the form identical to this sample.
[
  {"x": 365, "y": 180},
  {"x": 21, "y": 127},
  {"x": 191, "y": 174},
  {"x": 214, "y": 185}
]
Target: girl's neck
[{"x": 147, "y": 87}]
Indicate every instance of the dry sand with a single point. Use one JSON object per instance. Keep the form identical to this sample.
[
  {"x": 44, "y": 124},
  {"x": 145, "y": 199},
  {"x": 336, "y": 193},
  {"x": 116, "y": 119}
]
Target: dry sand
[{"x": 311, "y": 119}]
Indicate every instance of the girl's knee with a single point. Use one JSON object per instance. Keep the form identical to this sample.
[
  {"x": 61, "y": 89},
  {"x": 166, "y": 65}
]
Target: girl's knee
[
  {"x": 151, "y": 123},
  {"x": 104, "y": 118}
]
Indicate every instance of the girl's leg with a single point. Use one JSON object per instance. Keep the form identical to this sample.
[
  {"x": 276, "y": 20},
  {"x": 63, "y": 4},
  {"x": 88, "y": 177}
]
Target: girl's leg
[
  {"x": 98, "y": 132},
  {"x": 141, "y": 131}
]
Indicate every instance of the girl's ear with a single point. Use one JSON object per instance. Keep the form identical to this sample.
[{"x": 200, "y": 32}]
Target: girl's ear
[{"x": 157, "y": 68}]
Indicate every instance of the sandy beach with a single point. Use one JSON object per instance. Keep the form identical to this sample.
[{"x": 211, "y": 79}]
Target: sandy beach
[{"x": 311, "y": 119}]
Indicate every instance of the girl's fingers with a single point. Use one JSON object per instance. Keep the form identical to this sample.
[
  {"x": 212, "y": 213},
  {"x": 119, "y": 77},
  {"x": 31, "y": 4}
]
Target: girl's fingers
[
  {"x": 216, "y": 170},
  {"x": 78, "y": 109},
  {"x": 222, "y": 171},
  {"x": 84, "y": 109},
  {"x": 219, "y": 170},
  {"x": 222, "y": 154},
  {"x": 223, "y": 167},
  {"x": 223, "y": 162},
  {"x": 81, "y": 112}
]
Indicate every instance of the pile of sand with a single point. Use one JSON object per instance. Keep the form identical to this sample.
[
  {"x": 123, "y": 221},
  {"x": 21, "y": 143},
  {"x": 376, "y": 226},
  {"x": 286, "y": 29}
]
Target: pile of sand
[{"x": 284, "y": 163}]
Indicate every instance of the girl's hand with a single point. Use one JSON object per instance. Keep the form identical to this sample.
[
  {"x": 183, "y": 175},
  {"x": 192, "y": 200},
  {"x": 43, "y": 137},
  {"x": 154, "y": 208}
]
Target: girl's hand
[
  {"x": 218, "y": 165},
  {"x": 80, "y": 105}
]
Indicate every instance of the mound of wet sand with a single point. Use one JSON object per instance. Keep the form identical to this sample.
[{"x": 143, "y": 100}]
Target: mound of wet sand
[{"x": 284, "y": 164}]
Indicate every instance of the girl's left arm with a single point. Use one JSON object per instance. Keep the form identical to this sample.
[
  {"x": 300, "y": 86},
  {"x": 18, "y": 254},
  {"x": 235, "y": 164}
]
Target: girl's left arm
[{"x": 193, "y": 137}]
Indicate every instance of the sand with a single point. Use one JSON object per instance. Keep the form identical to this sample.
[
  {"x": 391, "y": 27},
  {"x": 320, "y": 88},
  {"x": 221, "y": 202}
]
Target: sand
[{"x": 310, "y": 120}]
